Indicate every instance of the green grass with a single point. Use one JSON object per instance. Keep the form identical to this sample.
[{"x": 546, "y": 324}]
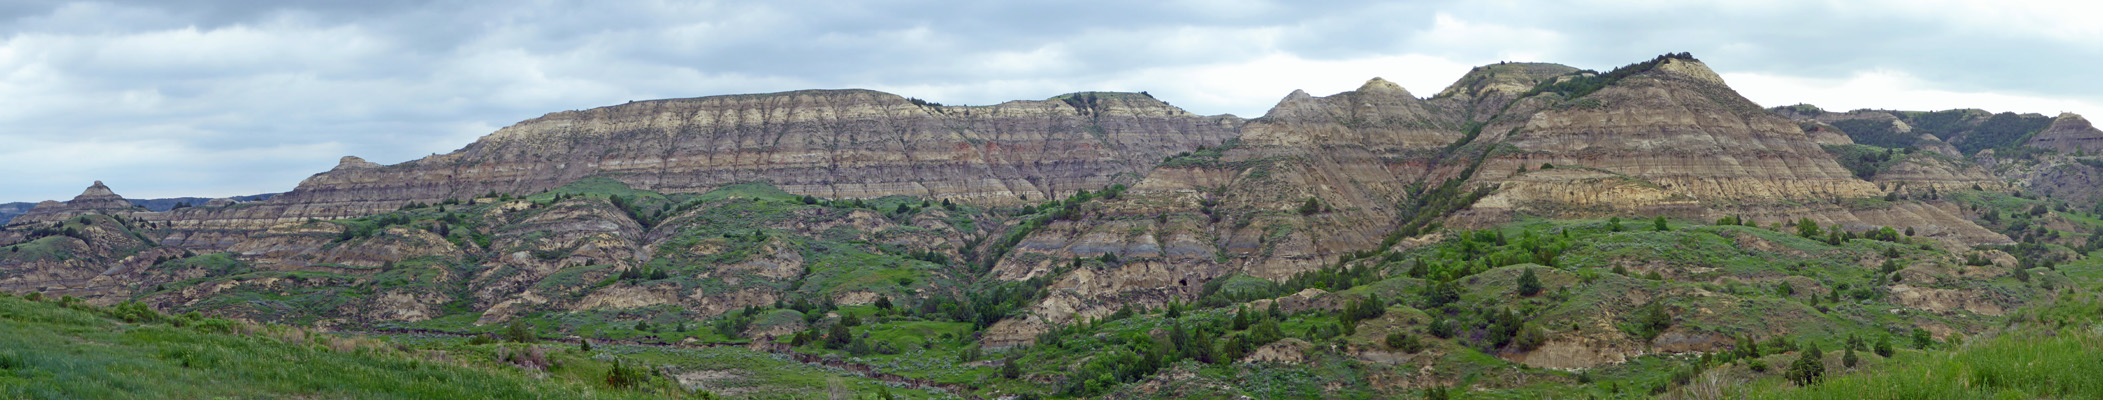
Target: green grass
[
  {"x": 50, "y": 351},
  {"x": 2028, "y": 364}
]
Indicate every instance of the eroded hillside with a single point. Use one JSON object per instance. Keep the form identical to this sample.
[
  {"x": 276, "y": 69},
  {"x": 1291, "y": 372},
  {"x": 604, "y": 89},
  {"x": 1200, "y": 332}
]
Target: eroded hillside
[{"x": 1530, "y": 223}]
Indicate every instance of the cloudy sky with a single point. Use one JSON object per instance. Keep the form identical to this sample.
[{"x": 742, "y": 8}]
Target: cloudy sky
[{"x": 211, "y": 98}]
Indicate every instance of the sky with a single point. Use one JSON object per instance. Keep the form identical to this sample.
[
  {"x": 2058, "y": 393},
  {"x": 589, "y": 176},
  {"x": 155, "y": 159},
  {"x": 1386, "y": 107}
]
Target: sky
[{"x": 211, "y": 98}]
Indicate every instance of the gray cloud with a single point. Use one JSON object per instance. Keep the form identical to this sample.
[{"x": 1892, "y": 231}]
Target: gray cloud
[{"x": 222, "y": 97}]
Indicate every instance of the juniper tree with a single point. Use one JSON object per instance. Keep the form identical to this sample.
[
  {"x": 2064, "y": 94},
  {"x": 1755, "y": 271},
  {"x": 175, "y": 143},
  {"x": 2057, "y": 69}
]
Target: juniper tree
[{"x": 1529, "y": 284}]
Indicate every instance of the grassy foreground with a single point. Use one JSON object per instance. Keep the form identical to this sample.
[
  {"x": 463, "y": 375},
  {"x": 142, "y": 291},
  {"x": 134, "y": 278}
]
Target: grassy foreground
[
  {"x": 54, "y": 350},
  {"x": 2056, "y": 356}
]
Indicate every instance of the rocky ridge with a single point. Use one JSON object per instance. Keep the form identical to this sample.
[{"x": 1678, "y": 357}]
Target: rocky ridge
[{"x": 830, "y": 143}]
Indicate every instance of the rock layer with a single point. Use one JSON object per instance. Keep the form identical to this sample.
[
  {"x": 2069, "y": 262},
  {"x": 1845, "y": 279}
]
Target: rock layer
[
  {"x": 2069, "y": 133},
  {"x": 1663, "y": 140}
]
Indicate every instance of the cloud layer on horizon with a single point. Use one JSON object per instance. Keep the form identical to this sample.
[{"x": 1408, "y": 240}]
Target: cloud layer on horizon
[{"x": 216, "y": 97}]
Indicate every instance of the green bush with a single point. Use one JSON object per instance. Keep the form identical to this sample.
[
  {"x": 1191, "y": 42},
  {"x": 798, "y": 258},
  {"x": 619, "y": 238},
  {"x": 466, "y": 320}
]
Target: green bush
[
  {"x": 1808, "y": 368},
  {"x": 1529, "y": 284},
  {"x": 1404, "y": 342},
  {"x": 519, "y": 332},
  {"x": 626, "y": 377},
  {"x": 215, "y": 325}
]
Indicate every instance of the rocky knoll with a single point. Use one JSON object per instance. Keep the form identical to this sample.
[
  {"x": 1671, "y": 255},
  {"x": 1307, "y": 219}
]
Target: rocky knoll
[
  {"x": 1678, "y": 128},
  {"x": 97, "y": 199},
  {"x": 2069, "y": 133},
  {"x": 1485, "y": 91},
  {"x": 1671, "y": 138}
]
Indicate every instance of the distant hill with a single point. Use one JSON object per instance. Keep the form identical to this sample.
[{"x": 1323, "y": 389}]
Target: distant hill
[
  {"x": 169, "y": 203},
  {"x": 8, "y": 211}
]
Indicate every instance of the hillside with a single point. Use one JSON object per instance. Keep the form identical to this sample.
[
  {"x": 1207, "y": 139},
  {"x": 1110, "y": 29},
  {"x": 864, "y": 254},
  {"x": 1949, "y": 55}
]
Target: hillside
[{"x": 1533, "y": 230}]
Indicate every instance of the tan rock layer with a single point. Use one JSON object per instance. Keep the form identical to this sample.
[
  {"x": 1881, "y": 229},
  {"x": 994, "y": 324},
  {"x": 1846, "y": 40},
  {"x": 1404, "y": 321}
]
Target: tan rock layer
[{"x": 1658, "y": 139}]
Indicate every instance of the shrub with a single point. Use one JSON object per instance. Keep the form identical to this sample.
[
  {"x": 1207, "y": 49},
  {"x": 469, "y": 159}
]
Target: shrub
[
  {"x": 1921, "y": 339},
  {"x": 133, "y": 312},
  {"x": 1756, "y": 365},
  {"x": 1651, "y": 321},
  {"x": 1442, "y": 328},
  {"x": 1435, "y": 393},
  {"x": 215, "y": 325},
  {"x": 1883, "y": 347},
  {"x": 1529, "y": 284},
  {"x": 519, "y": 332},
  {"x": 1807, "y": 229},
  {"x": 1659, "y": 224},
  {"x": 1808, "y": 368},
  {"x": 623, "y": 376},
  {"x": 1531, "y": 338},
  {"x": 1011, "y": 368},
  {"x": 1850, "y": 359},
  {"x": 1404, "y": 342}
]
